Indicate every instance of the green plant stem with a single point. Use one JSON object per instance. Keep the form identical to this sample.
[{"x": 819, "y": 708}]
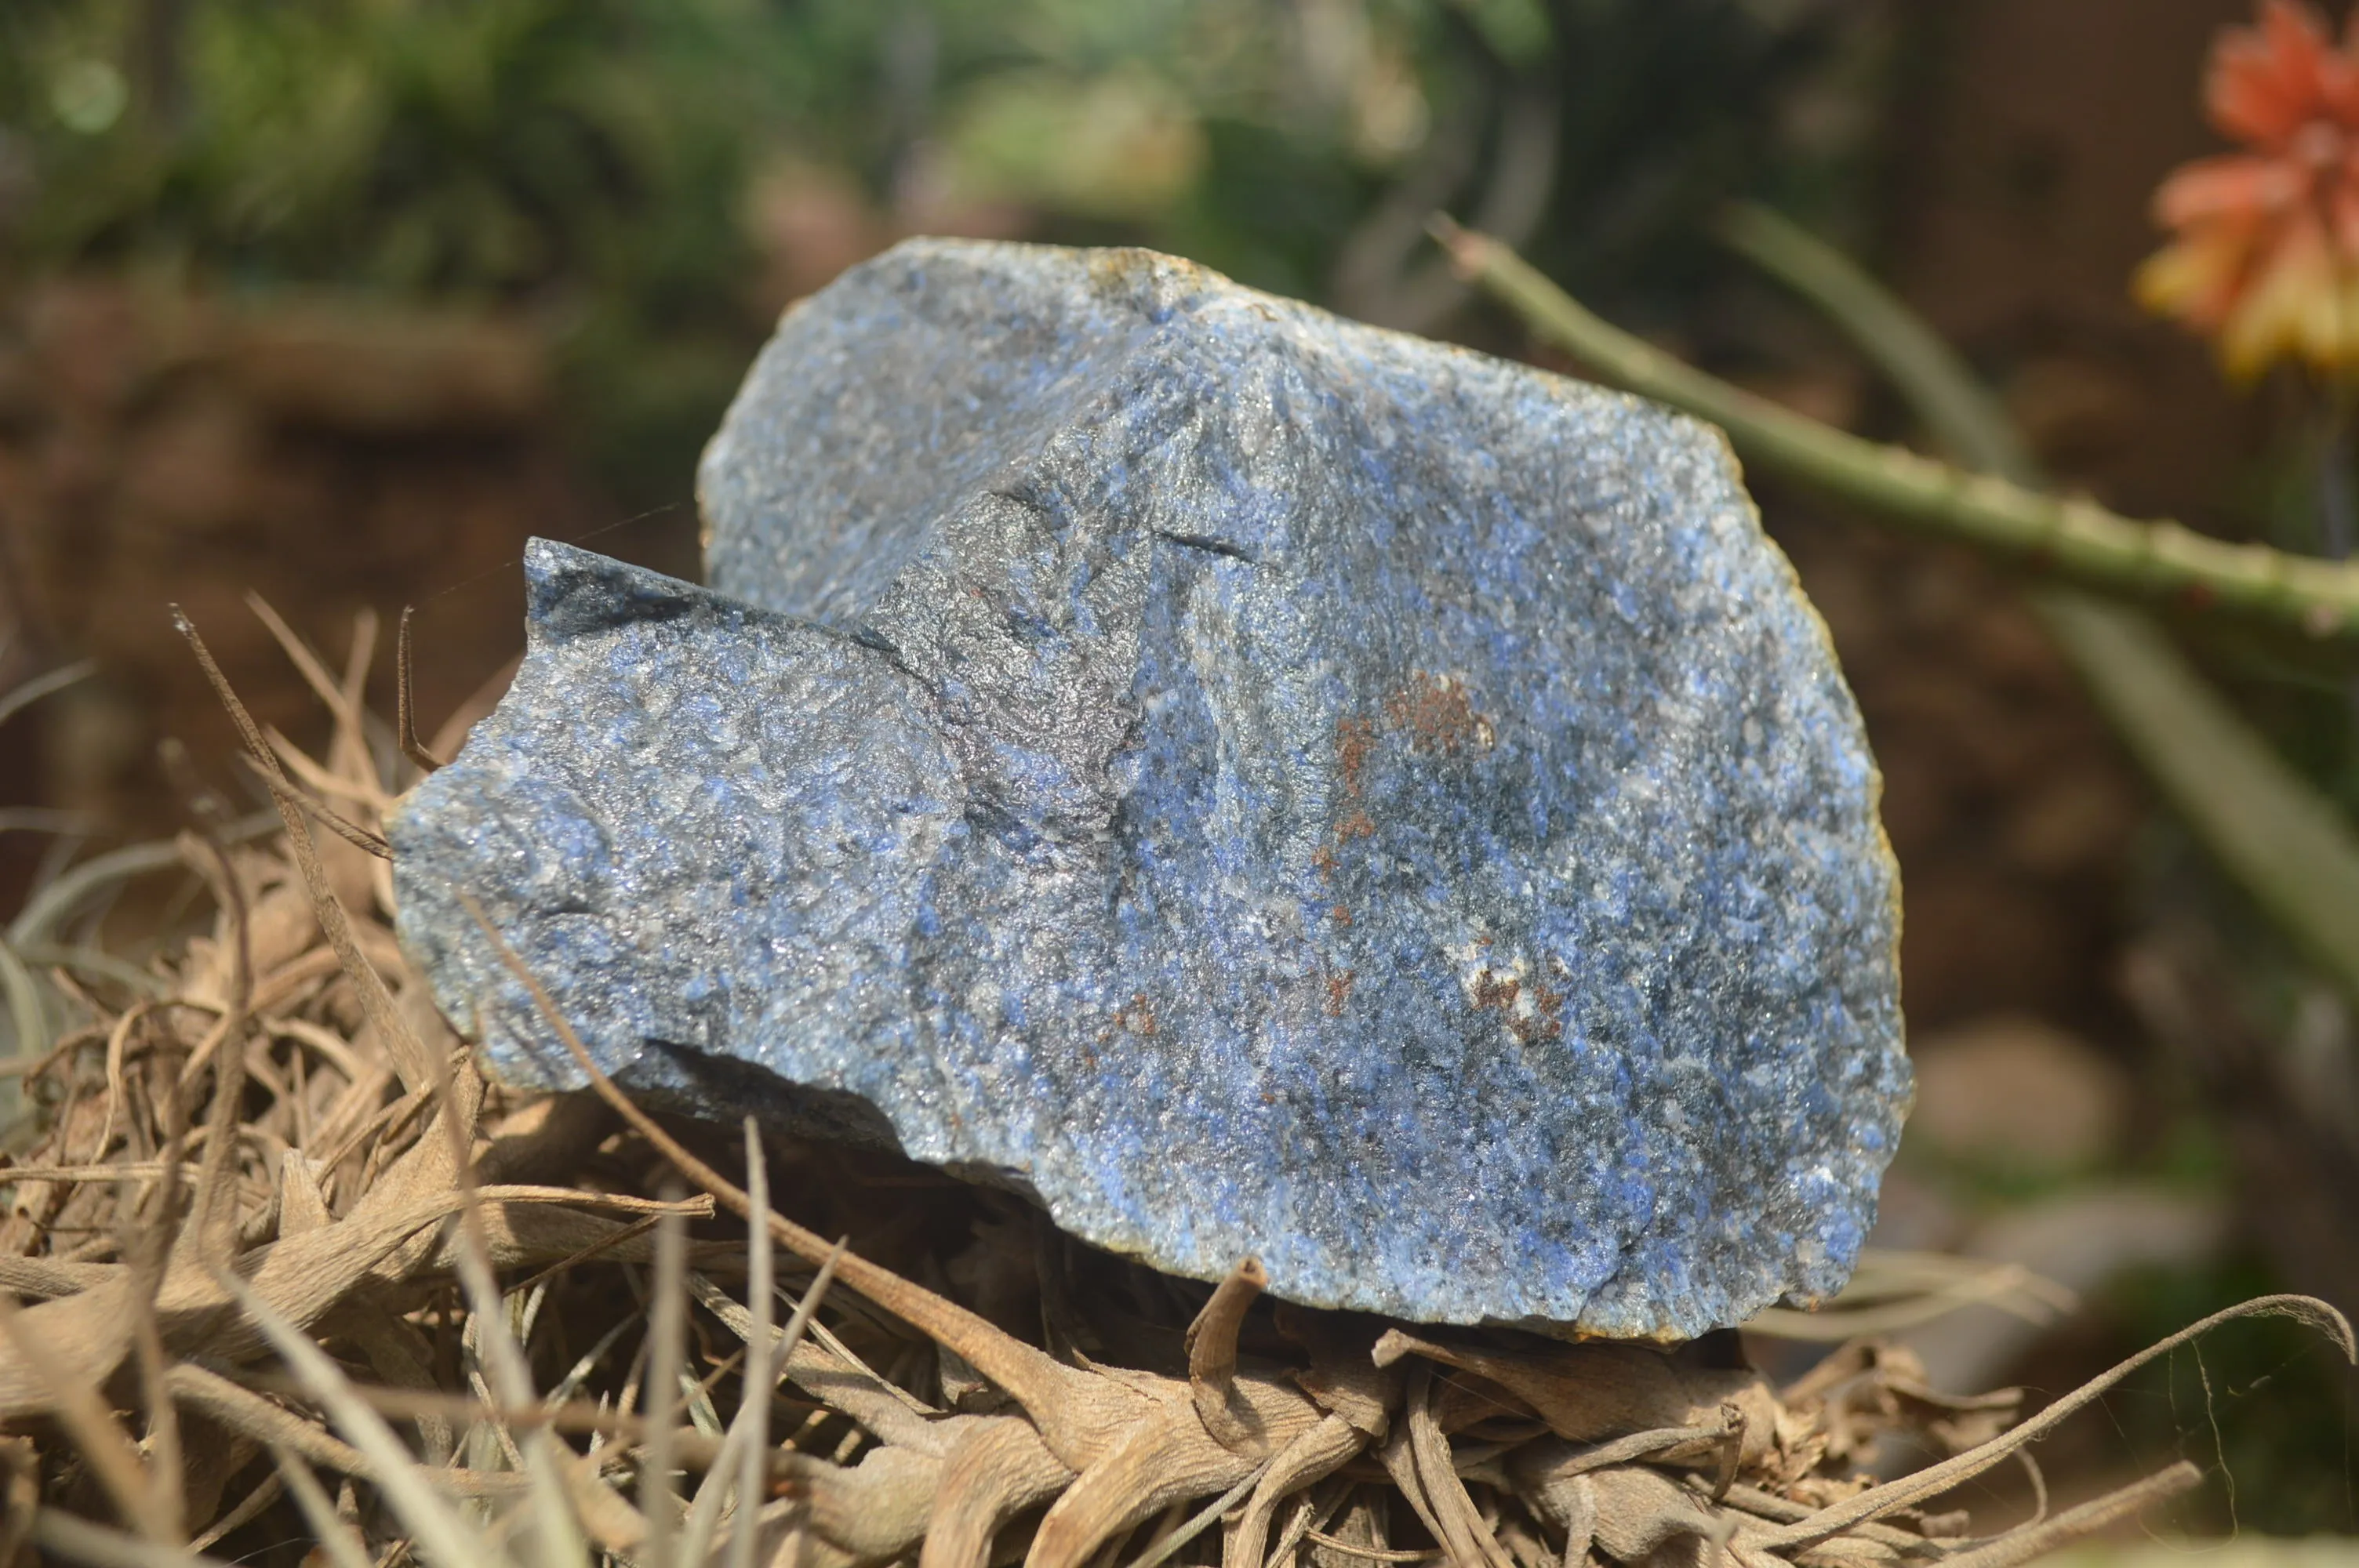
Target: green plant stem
[
  {"x": 2076, "y": 539},
  {"x": 2267, "y": 827},
  {"x": 1938, "y": 385},
  {"x": 2277, "y": 836}
]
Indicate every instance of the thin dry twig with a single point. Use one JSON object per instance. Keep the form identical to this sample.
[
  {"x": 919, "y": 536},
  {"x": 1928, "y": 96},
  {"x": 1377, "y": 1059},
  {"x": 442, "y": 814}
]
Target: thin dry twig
[{"x": 406, "y": 711}]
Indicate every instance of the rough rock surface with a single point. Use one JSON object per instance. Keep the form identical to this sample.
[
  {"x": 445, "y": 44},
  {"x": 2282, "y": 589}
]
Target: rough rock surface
[{"x": 1261, "y": 783}]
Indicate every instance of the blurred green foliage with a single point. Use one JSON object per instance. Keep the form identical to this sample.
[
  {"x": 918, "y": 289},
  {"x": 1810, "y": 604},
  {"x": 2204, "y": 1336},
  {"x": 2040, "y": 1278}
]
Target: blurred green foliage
[
  {"x": 2267, "y": 1403},
  {"x": 651, "y": 178}
]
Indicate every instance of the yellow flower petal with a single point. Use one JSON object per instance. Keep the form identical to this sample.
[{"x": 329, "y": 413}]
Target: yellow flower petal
[
  {"x": 2176, "y": 278},
  {"x": 2260, "y": 329},
  {"x": 2290, "y": 309}
]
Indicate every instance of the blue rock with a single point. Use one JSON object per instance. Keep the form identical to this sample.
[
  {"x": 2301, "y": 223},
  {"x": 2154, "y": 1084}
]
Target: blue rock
[{"x": 1257, "y": 783}]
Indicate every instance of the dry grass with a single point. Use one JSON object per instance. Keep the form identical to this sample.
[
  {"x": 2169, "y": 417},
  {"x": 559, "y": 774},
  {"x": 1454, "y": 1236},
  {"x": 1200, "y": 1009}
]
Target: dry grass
[{"x": 283, "y": 1270}]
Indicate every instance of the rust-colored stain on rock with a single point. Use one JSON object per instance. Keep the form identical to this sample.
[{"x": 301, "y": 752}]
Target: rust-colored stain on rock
[{"x": 1435, "y": 713}]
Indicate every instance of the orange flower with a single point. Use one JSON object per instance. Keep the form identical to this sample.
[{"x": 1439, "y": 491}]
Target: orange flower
[{"x": 2265, "y": 257}]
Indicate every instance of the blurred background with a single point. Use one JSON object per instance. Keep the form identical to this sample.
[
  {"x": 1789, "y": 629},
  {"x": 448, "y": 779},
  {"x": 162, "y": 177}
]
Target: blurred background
[{"x": 339, "y": 301}]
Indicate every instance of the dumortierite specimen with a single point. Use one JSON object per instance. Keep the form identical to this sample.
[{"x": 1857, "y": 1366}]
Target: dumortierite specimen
[{"x": 1259, "y": 784}]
